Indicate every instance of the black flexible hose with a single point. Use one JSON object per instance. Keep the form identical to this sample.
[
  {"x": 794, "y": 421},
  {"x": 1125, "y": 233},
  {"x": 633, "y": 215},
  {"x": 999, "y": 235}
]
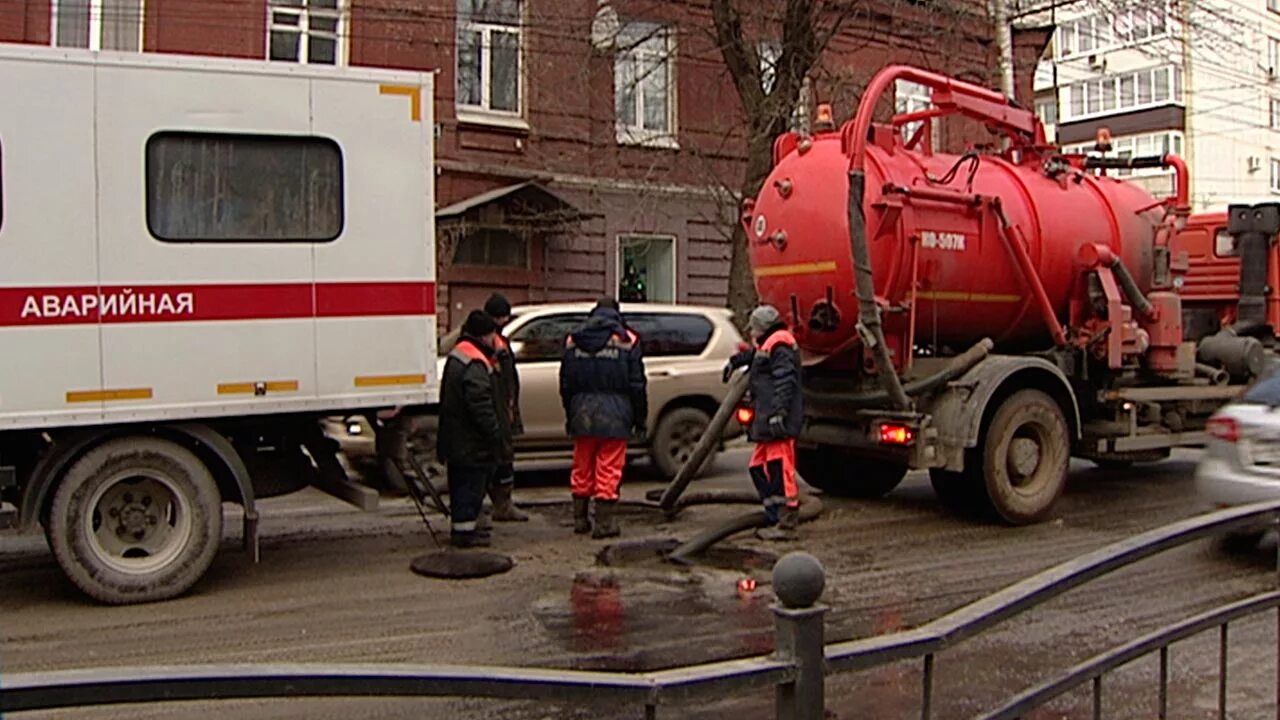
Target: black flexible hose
[
  {"x": 868, "y": 311},
  {"x": 810, "y": 508},
  {"x": 960, "y": 365}
]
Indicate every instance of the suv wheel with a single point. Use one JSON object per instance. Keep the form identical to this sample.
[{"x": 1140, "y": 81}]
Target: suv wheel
[{"x": 675, "y": 437}]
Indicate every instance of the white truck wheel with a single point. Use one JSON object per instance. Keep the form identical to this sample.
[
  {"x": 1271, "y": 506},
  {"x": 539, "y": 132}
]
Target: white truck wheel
[{"x": 136, "y": 519}]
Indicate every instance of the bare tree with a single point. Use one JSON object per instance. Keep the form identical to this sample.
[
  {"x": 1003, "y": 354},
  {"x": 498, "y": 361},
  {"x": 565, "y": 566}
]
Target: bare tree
[{"x": 805, "y": 28}]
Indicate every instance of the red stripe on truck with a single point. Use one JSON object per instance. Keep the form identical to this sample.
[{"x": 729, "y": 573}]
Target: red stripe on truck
[{"x": 22, "y": 306}]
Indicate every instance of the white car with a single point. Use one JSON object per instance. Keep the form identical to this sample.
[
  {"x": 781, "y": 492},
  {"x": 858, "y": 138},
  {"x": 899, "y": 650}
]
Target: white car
[{"x": 1242, "y": 456}]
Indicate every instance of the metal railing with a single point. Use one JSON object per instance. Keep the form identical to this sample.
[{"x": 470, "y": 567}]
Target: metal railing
[{"x": 796, "y": 669}]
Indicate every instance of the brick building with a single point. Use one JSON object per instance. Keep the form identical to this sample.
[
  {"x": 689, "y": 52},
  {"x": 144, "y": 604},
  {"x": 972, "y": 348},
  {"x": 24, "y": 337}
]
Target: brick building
[{"x": 566, "y": 167}]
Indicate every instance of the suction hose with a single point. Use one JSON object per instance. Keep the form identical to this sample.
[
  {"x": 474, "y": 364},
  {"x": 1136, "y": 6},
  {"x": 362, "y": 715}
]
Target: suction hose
[
  {"x": 709, "y": 440},
  {"x": 868, "y": 312},
  {"x": 961, "y": 364},
  {"x": 810, "y": 508}
]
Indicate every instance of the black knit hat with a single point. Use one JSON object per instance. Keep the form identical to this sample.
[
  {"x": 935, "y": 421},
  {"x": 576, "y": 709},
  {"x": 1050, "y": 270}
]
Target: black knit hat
[
  {"x": 497, "y": 306},
  {"x": 479, "y": 324}
]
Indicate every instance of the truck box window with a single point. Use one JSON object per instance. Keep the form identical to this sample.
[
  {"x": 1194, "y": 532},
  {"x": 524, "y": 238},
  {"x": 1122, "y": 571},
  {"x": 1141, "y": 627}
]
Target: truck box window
[{"x": 204, "y": 187}]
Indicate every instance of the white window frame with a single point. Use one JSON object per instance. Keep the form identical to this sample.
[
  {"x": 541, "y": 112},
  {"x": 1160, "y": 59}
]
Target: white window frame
[
  {"x": 909, "y": 97},
  {"x": 1172, "y": 90},
  {"x": 638, "y": 134},
  {"x": 1273, "y": 56},
  {"x": 1111, "y": 32},
  {"x": 1273, "y": 111},
  {"x": 1042, "y": 109},
  {"x": 303, "y": 29},
  {"x": 675, "y": 262},
  {"x": 484, "y": 113},
  {"x": 1273, "y": 5},
  {"x": 1275, "y": 176},
  {"x": 95, "y": 25}
]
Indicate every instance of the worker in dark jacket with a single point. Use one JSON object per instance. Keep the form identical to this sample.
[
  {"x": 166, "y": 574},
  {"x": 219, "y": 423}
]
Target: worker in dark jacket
[
  {"x": 776, "y": 398},
  {"x": 475, "y": 426},
  {"x": 602, "y": 386},
  {"x": 504, "y": 508}
]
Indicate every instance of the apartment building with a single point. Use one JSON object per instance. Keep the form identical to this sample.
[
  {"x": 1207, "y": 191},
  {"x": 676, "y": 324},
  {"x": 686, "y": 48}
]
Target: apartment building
[
  {"x": 584, "y": 146},
  {"x": 1196, "y": 79}
]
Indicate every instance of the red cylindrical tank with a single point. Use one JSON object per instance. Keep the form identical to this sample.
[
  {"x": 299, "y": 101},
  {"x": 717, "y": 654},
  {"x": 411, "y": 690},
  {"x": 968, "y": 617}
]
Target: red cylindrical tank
[{"x": 968, "y": 286}]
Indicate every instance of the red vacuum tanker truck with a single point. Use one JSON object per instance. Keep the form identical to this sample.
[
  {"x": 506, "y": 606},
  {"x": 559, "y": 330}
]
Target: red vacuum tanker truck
[{"x": 989, "y": 315}]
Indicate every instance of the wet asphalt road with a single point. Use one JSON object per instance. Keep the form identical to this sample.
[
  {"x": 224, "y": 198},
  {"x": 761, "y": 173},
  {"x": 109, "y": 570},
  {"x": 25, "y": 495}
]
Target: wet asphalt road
[{"x": 334, "y": 586}]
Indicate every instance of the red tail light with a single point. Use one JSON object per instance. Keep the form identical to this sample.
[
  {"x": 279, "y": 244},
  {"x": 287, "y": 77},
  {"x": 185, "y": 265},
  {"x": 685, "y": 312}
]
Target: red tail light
[
  {"x": 891, "y": 434},
  {"x": 1223, "y": 428},
  {"x": 746, "y": 415}
]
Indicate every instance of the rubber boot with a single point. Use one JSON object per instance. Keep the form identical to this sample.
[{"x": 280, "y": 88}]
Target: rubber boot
[
  {"x": 463, "y": 540},
  {"x": 581, "y": 515},
  {"x": 504, "y": 509},
  {"x": 606, "y": 522},
  {"x": 785, "y": 530}
]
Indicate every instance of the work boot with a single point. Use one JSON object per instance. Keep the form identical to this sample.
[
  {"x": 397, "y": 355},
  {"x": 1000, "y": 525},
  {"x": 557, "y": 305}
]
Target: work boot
[
  {"x": 463, "y": 540},
  {"x": 581, "y": 515},
  {"x": 504, "y": 509},
  {"x": 785, "y": 530},
  {"x": 606, "y": 522}
]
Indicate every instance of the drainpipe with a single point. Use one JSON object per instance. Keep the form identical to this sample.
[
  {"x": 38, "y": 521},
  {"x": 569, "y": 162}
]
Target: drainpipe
[
  {"x": 999, "y": 13},
  {"x": 1188, "y": 144}
]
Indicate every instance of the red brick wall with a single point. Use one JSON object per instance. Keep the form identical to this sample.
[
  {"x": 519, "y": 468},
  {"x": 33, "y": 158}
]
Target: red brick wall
[
  {"x": 228, "y": 28},
  {"x": 25, "y": 21}
]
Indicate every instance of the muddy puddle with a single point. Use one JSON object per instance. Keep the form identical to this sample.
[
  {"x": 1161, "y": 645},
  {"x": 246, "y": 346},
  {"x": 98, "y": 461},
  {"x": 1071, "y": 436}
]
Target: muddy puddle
[{"x": 636, "y": 611}]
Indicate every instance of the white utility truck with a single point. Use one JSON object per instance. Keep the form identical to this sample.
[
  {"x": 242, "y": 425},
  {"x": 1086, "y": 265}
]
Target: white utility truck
[{"x": 199, "y": 260}]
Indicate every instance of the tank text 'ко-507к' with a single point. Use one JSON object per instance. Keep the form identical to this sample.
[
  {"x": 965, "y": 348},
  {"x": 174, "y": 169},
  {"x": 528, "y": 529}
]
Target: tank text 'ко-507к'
[{"x": 986, "y": 316}]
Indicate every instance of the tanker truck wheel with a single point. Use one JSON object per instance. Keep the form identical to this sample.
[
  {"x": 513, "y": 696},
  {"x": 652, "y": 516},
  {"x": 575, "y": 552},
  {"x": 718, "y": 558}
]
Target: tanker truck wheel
[
  {"x": 135, "y": 520},
  {"x": 838, "y": 472},
  {"x": 1024, "y": 457}
]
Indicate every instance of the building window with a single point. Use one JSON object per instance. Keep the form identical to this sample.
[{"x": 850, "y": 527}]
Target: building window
[
  {"x": 489, "y": 74},
  {"x": 1125, "y": 92},
  {"x": 644, "y": 87},
  {"x": 1275, "y": 175},
  {"x": 646, "y": 268},
  {"x": 1273, "y": 5},
  {"x": 909, "y": 97},
  {"x": 305, "y": 31},
  {"x": 203, "y": 187},
  {"x": 1099, "y": 33},
  {"x": 1274, "y": 114},
  {"x": 1047, "y": 111},
  {"x": 1273, "y": 57},
  {"x": 98, "y": 24},
  {"x": 1146, "y": 145},
  {"x": 769, "y": 53},
  {"x": 492, "y": 247}
]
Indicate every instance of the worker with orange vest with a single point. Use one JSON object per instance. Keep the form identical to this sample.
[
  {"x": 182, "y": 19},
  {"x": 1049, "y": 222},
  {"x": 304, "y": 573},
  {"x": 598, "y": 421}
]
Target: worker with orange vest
[
  {"x": 475, "y": 427},
  {"x": 500, "y": 491},
  {"x": 603, "y": 389},
  {"x": 778, "y": 404}
]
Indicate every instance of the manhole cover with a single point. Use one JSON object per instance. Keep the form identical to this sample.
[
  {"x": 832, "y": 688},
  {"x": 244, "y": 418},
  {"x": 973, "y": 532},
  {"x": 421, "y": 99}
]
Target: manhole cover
[{"x": 452, "y": 565}]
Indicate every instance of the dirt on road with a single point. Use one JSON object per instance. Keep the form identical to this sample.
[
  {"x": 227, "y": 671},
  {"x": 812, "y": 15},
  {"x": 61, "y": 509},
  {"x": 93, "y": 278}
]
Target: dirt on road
[{"x": 334, "y": 586}]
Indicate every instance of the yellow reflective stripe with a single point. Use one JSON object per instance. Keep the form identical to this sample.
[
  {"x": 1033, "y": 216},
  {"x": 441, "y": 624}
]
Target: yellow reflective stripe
[
  {"x": 797, "y": 269},
  {"x": 249, "y": 388},
  {"x": 384, "y": 380},
  {"x": 413, "y": 92},
  {"x": 83, "y": 396},
  {"x": 969, "y": 297}
]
